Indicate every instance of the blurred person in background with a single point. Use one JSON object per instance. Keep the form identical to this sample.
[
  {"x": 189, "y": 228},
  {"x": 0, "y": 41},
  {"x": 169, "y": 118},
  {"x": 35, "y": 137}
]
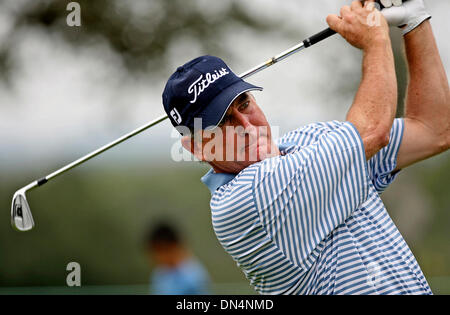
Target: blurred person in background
[{"x": 177, "y": 271}]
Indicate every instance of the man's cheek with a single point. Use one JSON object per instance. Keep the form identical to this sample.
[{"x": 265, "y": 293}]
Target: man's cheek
[{"x": 229, "y": 150}]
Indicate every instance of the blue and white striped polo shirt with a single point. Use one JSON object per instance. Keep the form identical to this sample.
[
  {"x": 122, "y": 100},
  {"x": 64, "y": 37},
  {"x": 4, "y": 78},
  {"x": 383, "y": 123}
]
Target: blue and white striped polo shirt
[{"x": 311, "y": 221}]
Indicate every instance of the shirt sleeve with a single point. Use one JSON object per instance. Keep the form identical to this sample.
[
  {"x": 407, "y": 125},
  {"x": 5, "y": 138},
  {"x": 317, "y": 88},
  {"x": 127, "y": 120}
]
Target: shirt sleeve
[
  {"x": 382, "y": 165},
  {"x": 303, "y": 196}
]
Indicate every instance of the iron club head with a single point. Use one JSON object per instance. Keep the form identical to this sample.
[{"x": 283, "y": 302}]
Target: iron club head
[{"x": 21, "y": 217}]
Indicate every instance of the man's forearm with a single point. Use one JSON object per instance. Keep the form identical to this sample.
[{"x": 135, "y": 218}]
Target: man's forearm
[
  {"x": 375, "y": 103},
  {"x": 428, "y": 97}
]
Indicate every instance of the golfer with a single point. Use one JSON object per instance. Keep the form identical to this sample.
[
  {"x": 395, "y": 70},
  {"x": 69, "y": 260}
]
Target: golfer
[{"x": 303, "y": 215}]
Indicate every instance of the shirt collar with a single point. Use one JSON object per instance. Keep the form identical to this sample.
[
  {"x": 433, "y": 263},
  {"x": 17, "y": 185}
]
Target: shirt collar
[{"x": 215, "y": 180}]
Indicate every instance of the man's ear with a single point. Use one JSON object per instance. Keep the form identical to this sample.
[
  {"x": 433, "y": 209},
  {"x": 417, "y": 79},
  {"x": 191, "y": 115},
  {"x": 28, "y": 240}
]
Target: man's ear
[{"x": 192, "y": 146}]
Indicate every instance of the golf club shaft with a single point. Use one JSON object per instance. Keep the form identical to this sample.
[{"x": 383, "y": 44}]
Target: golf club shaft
[
  {"x": 289, "y": 52},
  {"x": 305, "y": 44}
]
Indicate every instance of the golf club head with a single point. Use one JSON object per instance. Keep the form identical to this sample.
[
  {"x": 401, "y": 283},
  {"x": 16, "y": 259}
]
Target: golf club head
[{"x": 21, "y": 217}]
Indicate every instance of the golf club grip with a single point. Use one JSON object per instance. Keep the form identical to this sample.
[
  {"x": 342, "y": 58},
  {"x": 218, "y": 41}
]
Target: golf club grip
[{"x": 318, "y": 37}]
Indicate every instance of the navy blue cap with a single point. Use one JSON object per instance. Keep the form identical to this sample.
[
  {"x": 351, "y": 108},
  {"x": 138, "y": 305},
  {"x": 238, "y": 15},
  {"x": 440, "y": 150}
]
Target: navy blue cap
[{"x": 202, "y": 88}]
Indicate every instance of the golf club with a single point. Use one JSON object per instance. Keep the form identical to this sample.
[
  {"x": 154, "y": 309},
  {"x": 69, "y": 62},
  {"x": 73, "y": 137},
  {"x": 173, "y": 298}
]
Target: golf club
[{"x": 21, "y": 217}]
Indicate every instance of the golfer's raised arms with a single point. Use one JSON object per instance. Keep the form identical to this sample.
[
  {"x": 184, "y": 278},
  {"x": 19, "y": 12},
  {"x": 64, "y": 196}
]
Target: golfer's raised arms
[
  {"x": 375, "y": 103},
  {"x": 427, "y": 114}
]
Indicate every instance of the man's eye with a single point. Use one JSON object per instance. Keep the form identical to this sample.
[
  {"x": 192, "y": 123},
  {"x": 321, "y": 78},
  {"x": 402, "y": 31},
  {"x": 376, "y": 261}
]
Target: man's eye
[{"x": 244, "y": 106}]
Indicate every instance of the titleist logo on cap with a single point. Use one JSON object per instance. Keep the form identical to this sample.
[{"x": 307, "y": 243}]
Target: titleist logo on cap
[{"x": 200, "y": 85}]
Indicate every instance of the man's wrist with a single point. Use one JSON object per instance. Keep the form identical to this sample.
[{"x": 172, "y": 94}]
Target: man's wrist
[
  {"x": 418, "y": 30},
  {"x": 417, "y": 19},
  {"x": 379, "y": 42}
]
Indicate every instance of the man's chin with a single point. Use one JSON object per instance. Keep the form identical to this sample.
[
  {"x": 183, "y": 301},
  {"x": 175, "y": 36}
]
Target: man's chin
[
  {"x": 265, "y": 155},
  {"x": 267, "y": 152}
]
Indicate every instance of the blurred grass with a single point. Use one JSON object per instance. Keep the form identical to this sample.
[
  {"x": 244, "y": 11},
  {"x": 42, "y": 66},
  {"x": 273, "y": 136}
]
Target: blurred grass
[
  {"x": 440, "y": 285},
  {"x": 239, "y": 288}
]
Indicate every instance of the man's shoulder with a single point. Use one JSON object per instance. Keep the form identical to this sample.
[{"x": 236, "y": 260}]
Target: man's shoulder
[
  {"x": 299, "y": 137},
  {"x": 237, "y": 188},
  {"x": 249, "y": 178}
]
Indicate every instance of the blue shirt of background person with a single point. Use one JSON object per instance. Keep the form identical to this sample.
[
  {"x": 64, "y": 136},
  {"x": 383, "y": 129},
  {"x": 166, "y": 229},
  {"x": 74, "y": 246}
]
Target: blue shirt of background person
[
  {"x": 188, "y": 278},
  {"x": 176, "y": 271}
]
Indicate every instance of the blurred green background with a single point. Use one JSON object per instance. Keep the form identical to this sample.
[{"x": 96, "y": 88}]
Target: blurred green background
[{"x": 67, "y": 90}]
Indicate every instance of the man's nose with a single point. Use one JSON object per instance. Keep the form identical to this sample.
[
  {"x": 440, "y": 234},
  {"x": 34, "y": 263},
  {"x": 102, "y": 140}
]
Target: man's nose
[
  {"x": 242, "y": 119},
  {"x": 244, "y": 126}
]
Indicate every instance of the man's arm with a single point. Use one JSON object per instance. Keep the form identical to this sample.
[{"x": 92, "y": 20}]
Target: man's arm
[
  {"x": 375, "y": 104},
  {"x": 427, "y": 114}
]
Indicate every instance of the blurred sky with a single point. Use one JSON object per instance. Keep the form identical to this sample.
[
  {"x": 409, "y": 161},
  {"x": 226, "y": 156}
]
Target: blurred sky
[{"x": 64, "y": 102}]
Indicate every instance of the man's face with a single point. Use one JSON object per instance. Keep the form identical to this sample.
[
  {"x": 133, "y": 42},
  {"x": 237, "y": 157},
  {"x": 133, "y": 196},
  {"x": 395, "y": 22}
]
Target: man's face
[{"x": 243, "y": 137}]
